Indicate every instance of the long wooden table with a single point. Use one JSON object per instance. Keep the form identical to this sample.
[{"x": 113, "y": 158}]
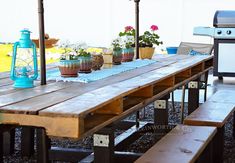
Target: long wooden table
[{"x": 75, "y": 110}]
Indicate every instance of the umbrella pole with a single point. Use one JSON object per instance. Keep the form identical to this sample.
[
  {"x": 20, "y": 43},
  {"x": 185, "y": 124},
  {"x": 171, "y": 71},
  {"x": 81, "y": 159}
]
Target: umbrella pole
[
  {"x": 137, "y": 28},
  {"x": 42, "y": 42}
]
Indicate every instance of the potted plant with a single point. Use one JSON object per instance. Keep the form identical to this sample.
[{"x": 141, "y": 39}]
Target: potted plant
[
  {"x": 69, "y": 63},
  {"x": 85, "y": 61},
  {"x": 146, "y": 42},
  {"x": 117, "y": 51},
  {"x": 128, "y": 43}
]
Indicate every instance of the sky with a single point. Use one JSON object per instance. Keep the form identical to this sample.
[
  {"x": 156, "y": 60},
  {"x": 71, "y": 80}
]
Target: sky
[{"x": 98, "y": 22}]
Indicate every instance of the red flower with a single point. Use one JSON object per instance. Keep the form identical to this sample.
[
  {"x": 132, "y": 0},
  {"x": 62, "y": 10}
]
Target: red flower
[
  {"x": 154, "y": 27},
  {"x": 128, "y": 28}
]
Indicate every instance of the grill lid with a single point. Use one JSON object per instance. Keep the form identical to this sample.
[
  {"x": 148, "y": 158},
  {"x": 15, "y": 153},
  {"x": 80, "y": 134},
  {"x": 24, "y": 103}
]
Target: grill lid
[{"x": 224, "y": 18}]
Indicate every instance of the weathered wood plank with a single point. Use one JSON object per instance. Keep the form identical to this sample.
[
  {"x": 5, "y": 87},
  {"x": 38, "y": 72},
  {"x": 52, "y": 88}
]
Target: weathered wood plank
[
  {"x": 210, "y": 114},
  {"x": 103, "y": 95},
  {"x": 183, "y": 144},
  {"x": 59, "y": 126},
  {"x": 29, "y": 93},
  {"x": 77, "y": 89},
  {"x": 223, "y": 96}
]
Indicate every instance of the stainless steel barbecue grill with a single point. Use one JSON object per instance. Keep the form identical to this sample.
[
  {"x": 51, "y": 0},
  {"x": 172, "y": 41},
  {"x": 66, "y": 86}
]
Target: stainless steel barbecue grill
[{"x": 224, "y": 42}]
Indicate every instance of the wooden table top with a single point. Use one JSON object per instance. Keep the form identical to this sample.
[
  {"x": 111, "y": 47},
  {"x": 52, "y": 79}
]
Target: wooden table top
[{"x": 87, "y": 107}]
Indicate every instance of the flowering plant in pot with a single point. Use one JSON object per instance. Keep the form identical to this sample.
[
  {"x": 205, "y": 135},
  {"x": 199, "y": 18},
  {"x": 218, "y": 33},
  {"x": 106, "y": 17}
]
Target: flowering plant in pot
[
  {"x": 147, "y": 41},
  {"x": 69, "y": 64},
  {"x": 117, "y": 51},
  {"x": 128, "y": 43}
]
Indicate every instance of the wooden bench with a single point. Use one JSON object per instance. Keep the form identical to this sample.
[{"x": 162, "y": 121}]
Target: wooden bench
[
  {"x": 183, "y": 144},
  {"x": 215, "y": 112}
]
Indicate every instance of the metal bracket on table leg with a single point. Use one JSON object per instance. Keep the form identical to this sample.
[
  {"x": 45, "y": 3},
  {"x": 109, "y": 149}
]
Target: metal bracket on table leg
[
  {"x": 193, "y": 84},
  {"x": 101, "y": 140}
]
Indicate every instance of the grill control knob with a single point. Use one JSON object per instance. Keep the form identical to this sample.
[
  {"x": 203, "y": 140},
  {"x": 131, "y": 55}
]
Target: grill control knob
[
  {"x": 219, "y": 32},
  {"x": 229, "y": 32}
]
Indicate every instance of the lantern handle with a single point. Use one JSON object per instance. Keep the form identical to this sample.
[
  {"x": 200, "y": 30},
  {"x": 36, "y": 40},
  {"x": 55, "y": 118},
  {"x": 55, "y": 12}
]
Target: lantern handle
[
  {"x": 13, "y": 76},
  {"x": 34, "y": 77}
]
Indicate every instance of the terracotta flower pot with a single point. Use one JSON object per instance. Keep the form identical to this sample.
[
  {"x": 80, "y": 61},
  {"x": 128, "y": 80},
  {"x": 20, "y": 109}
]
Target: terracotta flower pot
[
  {"x": 69, "y": 68},
  {"x": 117, "y": 57},
  {"x": 127, "y": 54},
  {"x": 146, "y": 52},
  {"x": 97, "y": 61},
  {"x": 85, "y": 64}
]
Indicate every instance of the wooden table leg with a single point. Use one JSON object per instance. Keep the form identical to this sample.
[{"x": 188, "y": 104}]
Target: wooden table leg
[
  {"x": 1, "y": 143},
  {"x": 104, "y": 146},
  {"x": 233, "y": 124},
  {"x": 193, "y": 96},
  {"x": 9, "y": 142},
  {"x": 161, "y": 117},
  {"x": 27, "y": 141},
  {"x": 43, "y": 146}
]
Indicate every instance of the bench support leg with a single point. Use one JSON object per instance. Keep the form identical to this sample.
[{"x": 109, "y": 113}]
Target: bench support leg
[
  {"x": 43, "y": 146},
  {"x": 233, "y": 124},
  {"x": 104, "y": 146},
  {"x": 206, "y": 155},
  {"x": 218, "y": 146},
  {"x": 193, "y": 96},
  {"x": 1, "y": 143},
  {"x": 9, "y": 142},
  {"x": 27, "y": 141}
]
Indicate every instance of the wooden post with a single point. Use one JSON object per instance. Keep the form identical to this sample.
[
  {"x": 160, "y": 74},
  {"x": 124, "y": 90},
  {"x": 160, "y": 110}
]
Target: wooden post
[
  {"x": 43, "y": 146},
  {"x": 1, "y": 143},
  {"x": 161, "y": 116},
  {"x": 193, "y": 96},
  {"x": 9, "y": 142},
  {"x": 104, "y": 146},
  {"x": 27, "y": 141},
  {"x": 233, "y": 124}
]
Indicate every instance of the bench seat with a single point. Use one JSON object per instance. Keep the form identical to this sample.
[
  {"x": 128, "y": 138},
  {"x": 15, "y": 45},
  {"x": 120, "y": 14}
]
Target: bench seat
[
  {"x": 210, "y": 113},
  {"x": 215, "y": 112},
  {"x": 182, "y": 144}
]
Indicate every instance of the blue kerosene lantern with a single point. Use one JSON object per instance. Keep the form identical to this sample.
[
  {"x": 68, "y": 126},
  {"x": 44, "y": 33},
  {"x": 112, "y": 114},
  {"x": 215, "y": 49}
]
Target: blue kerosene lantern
[{"x": 24, "y": 67}]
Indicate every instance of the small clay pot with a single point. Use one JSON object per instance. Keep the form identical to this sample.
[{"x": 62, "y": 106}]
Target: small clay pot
[
  {"x": 127, "y": 54},
  {"x": 69, "y": 68},
  {"x": 97, "y": 61},
  {"x": 85, "y": 64},
  {"x": 117, "y": 57}
]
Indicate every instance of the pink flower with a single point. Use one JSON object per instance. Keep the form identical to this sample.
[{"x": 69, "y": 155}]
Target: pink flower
[
  {"x": 154, "y": 27},
  {"x": 128, "y": 28}
]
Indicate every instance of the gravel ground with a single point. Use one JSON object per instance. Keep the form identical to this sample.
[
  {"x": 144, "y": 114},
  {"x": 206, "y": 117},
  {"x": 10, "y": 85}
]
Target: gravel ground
[{"x": 140, "y": 146}]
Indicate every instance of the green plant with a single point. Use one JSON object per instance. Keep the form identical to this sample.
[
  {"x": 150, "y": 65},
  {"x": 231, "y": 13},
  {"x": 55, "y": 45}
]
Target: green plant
[
  {"x": 116, "y": 44},
  {"x": 83, "y": 53},
  {"x": 150, "y": 38}
]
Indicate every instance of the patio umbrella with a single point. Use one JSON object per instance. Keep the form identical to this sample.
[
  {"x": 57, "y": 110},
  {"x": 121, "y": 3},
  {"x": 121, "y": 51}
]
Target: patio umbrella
[{"x": 42, "y": 42}]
